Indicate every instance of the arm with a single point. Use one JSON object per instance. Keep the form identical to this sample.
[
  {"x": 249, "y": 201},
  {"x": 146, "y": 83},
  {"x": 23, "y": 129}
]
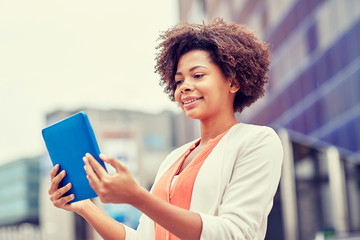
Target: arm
[
  {"x": 107, "y": 227},
  {"x": 121, "y": 188},
  {"x": 183, "y": 223}
]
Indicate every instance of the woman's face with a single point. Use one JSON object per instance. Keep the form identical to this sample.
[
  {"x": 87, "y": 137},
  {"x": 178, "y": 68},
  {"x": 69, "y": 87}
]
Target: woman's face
[{"x": 202, "y": 90}]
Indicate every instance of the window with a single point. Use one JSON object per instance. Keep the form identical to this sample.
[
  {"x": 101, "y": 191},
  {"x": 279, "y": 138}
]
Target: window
[{"x": 312, "y": 40}]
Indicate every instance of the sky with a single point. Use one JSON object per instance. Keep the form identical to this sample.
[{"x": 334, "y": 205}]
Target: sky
[{"x": 66, "y": 54}]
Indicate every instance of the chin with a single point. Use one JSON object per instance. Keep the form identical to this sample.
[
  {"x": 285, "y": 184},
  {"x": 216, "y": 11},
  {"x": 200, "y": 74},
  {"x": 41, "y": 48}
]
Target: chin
[
  {"x": 194, "y": 115},
  {"x": 191, "y": 115}
]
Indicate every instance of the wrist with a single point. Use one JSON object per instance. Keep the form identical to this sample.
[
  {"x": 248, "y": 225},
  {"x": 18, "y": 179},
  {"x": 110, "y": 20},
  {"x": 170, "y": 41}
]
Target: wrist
[
  {"x": 140, "y": 195},
  {"x": 86, "y": 204}
]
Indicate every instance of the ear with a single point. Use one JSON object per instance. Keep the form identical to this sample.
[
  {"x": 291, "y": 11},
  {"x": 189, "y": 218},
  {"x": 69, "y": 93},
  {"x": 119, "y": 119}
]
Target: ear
[{"x": 234, "y": 86}]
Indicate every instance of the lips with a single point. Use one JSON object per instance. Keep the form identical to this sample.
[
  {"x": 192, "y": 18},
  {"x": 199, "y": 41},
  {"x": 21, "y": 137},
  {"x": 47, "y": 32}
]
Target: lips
[{"x": 190, "y": 102}]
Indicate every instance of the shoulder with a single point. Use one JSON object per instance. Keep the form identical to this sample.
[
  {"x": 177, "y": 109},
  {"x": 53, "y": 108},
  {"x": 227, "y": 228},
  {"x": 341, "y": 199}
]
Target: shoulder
[
  {"x": 250, "y": 130},
  {"x": 245, "y": 134},
  {"x": 246, "y": 138}
]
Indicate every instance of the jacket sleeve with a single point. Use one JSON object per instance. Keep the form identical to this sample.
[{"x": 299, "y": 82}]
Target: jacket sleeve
[
  {"x": 145, "y": 230},
  {"x": 248, "y": 197}
]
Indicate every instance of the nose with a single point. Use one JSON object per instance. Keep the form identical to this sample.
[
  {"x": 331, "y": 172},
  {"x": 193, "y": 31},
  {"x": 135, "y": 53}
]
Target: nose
[{"x": 186, "y": 86}]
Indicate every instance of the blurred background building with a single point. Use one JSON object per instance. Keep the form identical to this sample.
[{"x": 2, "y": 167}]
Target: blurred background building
[
  {"x": 312, "y": 100},
  {"x": 139, "y": 140},
  {"x": 19, "y": 199}
]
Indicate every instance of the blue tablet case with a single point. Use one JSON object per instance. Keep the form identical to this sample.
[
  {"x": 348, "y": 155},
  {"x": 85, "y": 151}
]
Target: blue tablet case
[{"x": 67, "y": 142}]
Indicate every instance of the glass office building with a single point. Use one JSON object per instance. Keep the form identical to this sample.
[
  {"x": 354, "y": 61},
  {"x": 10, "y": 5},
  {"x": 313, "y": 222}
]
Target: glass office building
[
  {"x": 19, "y": 198},
  {"x": 19, "y": 190},
  {"x": 315, "y": 84},
  {"x": 313, "y": 101}
]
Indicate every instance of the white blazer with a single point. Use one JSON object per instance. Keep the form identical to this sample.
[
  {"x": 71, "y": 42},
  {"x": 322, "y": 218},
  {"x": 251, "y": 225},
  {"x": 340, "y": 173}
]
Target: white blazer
[{"x": 235, "y": 187}]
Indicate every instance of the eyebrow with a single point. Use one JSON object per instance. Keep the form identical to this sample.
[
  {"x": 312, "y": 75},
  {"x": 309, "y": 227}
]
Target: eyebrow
[{"x": 192, "y": 69}]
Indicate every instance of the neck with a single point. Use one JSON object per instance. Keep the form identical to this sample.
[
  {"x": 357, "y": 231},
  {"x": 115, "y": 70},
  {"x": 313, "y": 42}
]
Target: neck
[{"x": 213, "y": 127}]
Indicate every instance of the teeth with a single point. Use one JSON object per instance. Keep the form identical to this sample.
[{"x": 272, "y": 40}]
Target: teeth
[{"x": 186, "y": 102}]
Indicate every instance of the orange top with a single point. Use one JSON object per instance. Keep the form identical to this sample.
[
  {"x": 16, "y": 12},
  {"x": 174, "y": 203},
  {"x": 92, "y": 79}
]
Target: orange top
[{"x": 181, "y": 192}]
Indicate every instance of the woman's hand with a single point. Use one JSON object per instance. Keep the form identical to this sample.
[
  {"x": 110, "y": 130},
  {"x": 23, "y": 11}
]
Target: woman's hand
[
  {"x": 57, "y": 194},
  {"x": 117, "y": 188},
  {"x": 122, "y": 188}
]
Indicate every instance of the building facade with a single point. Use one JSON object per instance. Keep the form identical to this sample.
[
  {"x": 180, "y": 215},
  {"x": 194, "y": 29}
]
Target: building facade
[
  {"x": 19, "y": 194},
  {"x": 139, "y": 140},
  {"x": 313, "y": 100}
]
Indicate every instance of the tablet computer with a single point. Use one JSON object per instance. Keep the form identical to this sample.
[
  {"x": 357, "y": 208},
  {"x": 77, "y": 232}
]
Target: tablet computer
[{"x": 67, "y": 142}]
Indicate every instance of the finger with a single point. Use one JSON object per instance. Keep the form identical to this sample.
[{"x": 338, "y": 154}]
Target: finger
[
  {"x": 60, "y": 192},
  {"x": 63, "y": 201},
  {"x": 54, "y": 171},
  {"x": 56, "y": 180},
  {"x": 100, "y": 171},
  {"x": 91, "y": 175},
  {"x": 113, "y": 162}
]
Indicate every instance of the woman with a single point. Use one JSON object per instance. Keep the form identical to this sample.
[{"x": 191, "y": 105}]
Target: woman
[{"x": 220, "y": 186}]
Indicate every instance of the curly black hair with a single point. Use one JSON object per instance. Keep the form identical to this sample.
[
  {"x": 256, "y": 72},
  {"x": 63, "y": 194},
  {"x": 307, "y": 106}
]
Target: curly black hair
[{"x": 237, "y": 51}]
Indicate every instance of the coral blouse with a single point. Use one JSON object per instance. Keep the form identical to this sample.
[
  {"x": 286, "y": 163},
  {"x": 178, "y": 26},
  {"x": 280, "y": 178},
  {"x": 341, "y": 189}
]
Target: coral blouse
[{"x": 179, "y": 192}]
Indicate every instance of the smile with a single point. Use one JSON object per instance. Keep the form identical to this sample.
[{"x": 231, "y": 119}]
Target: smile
[
  {"x": 192, "y": 100},
  {"x": 189, "y": 103}
]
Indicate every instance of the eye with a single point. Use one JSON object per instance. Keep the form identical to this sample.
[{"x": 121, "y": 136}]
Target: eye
[
  {"x": 178, "y": 82},
  {"x": 198, "y": 75}
]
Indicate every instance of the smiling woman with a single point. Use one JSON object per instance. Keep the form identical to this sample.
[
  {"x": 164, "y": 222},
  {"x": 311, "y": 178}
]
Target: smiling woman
[
  {"x": 202, "y": 90},
  {"x": 220, "y": 186},
  {"x": 239, "y": 54}
]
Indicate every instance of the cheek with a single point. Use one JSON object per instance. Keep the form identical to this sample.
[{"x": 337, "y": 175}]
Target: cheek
[{"x": 177, "y": 96}]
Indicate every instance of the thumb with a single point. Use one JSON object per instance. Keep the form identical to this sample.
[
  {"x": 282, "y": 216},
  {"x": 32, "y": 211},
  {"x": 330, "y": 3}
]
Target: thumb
[{"x": 112, "y": 161}]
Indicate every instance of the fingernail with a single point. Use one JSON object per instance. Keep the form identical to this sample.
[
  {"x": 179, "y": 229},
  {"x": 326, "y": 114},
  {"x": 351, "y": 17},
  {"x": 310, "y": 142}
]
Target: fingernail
[
  {"x": 87, "y": 154},
  {"x": 102, "y": 155}
]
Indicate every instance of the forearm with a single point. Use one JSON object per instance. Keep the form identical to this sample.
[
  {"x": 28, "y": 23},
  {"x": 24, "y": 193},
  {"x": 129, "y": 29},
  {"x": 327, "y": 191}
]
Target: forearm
[
  {"x": 107, "y": 227},
  {"x": 183, "y": 223},
  {"x": 121, "y": 188}
]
